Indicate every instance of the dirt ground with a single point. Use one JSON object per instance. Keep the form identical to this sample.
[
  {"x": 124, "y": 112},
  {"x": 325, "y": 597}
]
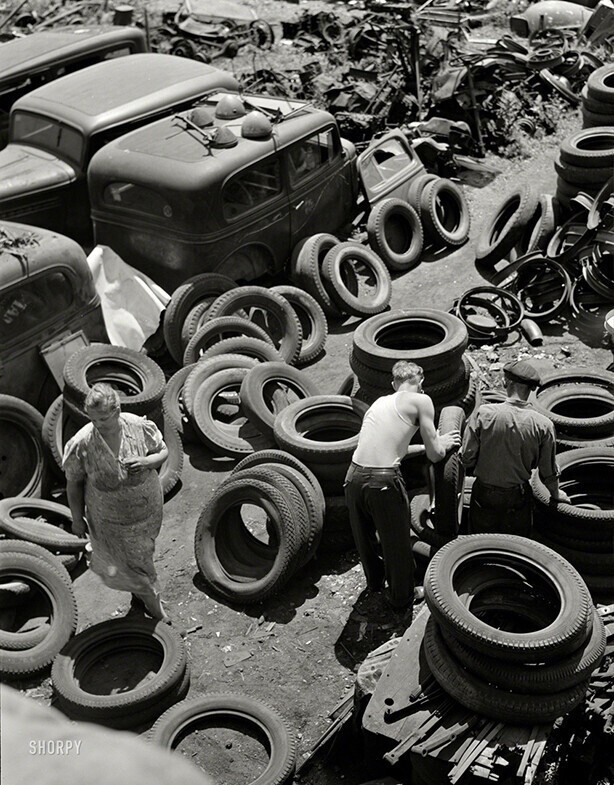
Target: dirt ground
[{"x": 299, "y": 652}]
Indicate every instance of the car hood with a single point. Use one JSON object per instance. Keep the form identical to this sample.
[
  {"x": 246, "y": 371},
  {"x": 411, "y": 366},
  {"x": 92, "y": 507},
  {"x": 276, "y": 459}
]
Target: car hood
[{"x": 25, "y": 169}]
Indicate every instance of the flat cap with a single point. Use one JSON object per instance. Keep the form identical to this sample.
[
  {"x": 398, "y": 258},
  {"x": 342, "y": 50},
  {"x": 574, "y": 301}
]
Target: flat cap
[{"x": 522, "y": 371}]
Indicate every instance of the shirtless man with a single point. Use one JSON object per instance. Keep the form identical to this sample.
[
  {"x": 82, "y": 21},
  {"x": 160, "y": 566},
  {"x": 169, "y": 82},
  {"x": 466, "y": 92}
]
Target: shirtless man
[{"x": 374, "y": 489}]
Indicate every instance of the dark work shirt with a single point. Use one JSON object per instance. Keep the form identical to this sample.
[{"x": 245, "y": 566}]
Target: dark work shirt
[{"x": 504, "y": 442}]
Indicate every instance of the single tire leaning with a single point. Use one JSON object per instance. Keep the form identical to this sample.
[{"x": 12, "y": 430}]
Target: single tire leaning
[
  {"x": 224, "y": 439},
  {"x": 207, "y": 286},
  {"x": 433, "y": 339},
  {"x": 566, "y": 632},
  {"x": 277, "y": 308},
  {"x": 444, "y": 212},
  {"x": 477, "y": 695},
  {"x": 204, "y": 369},
  {"x": 173, "y": 405},
  {"x": 170, "y": 471},
  {"x": 344, "y": 256},
  {"x": 229, "y": 560},
  {"x": 312, "y": 318},
  {"x": 221, "y": 329},
  {"x": 267, "y": 724},
  {"x": 56, "y": 584},
  {"x": 58, "y": 428},
  {"x": 259, "y": 388},
  {"x": 449, "y": 478},
  {"x": 19, "y": 518},
  {"x": 89, "y": 647},
  {"x": 306, "y": 269},
  {"x": 139, "y": 381},
  {"x": 416, "y": 186},
  {"x": 545, "y": 678},
  {"x": 22, "y": 454},
  {"x": 395, "y": 234},
  {"x": 502, "y": 231}
]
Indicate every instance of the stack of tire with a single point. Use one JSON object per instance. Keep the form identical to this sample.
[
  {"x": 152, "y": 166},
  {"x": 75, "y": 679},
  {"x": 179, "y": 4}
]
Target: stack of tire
[
  {"x": 246, "y": 560},
  {"x": 580, "y": 403},
  {"x": 226, "y": 337},
  {"x": 513, "y": 633},
  {"x": 246, "y": 715},
  {"x": 22, "y": 453},
  {"x": 331, "y": 272},
  {"x": 34, "y": 585},
  {"x": 583, "y": 531},
  {"x": 433, "y": 339},
  {"x": 435, "y": 516},
  {"x": 140, "y": 383},
  {"x": 585, "y": 163},
  {"x": 94, "y": 653},
  {"x": 598, "y": 98}
]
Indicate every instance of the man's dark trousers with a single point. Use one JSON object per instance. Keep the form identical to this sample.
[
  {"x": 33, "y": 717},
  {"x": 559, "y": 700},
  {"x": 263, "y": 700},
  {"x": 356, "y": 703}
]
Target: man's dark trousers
[
  {"x": 377, "y": 503},
  {"x": 501, "y": 510}
]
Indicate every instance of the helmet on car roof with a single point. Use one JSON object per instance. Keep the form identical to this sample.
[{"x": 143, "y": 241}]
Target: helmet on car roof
[
  {"x": 201, "y": 116},
  {"x": 229, "y": 107},
  {"x": 256, "y": 126}
]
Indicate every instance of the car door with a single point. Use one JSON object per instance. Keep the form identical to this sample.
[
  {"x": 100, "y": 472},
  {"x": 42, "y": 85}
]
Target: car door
[
  {"x": 387, "y": 166},
  {"x": 320, "y": 183}
]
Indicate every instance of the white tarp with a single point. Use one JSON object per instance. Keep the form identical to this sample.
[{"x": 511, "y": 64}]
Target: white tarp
[{"x": 131, "y": 301}]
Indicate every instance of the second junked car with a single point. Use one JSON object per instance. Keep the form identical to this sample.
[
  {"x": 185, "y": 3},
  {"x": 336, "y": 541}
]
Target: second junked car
[
  {"x": 234, "y": 185},
  {"x": 56, "y": 129}
]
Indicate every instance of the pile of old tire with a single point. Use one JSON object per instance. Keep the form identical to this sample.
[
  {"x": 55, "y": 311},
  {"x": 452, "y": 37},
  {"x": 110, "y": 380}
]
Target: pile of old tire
[
  {"x": 34, "y": 586},
  {"x": 513, "y": 633},
  {"x": 256, "y": 719},
  {"x": 433, "y": 339},
  {"x": 585, "y": 163},
  {"x": 124, "y": 652},
  {"x": 522, "y": 222},
  {"x": 580, "y": 403},
  {"x": 44, "y": 523},
  {"x": 23, "y": 469},
  {"x": 435, "y": 517},
  {"x": 140, "y": 383},
  {"x": 343, "y": 277},
  {"x": 583, "y": 531},
  {"x": 244, "y": 556},
  {"x": 598, "y": 98}
]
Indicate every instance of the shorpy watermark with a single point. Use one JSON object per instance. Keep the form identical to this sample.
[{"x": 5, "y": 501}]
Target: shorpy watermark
[{"x": 55, "y": 747}]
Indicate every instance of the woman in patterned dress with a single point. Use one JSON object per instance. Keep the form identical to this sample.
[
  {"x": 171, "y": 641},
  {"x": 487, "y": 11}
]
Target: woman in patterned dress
[{"x": 110, "y": 467}]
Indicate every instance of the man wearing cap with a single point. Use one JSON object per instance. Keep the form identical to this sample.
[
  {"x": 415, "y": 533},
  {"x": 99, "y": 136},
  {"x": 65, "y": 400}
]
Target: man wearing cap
[{"x": 502, "y": 444}]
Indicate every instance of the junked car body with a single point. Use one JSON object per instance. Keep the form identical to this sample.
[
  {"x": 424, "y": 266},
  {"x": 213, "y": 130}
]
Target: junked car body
[
  {"x": 238, "y": 191},
  {"x": 56, "y": 129}
]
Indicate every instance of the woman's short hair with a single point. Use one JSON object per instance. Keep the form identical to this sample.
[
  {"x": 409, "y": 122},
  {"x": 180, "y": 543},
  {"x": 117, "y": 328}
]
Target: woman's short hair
[
  {"x": 404, "y": 371},
  {"x": 102, "y": 397}
]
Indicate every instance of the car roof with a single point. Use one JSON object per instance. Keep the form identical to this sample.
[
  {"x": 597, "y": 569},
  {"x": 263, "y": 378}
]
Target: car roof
[
  {"x": 124, "y": 88},
  {"x": 36, "y": 250},
  {"x": 169, "y": 152},
  {"x": 24, "y": 56},
  {"x": 223, "y": 9}
]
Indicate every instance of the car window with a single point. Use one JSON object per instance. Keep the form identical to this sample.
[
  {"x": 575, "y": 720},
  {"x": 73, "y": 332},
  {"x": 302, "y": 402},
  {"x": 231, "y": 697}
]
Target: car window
[
  {"x": 34, "y": 304},
  {"x": 135, "y": 197},
  {"x": 389, "y": 159},
  {"x": 251, "y": 188},
  {"x": 48, "y": 134},
  {"x": 311, "y": 154}
]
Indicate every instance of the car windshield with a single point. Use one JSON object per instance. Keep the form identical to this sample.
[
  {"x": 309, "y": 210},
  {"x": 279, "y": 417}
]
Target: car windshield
[{"x": 47, "y": 134}]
